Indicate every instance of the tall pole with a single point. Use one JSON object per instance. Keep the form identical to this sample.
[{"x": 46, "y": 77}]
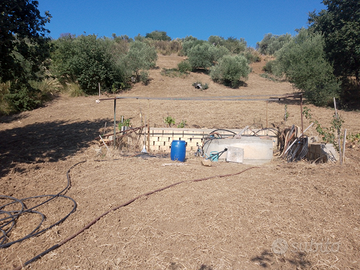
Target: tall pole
[{"x": 114, "y": 122}]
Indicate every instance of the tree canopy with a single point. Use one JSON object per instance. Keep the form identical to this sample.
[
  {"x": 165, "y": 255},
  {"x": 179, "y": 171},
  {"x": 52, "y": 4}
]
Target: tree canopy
[
  {"x": 340, "y": 26},
  {"x": 158, "y": 35},
  {"x": 303, "y": 62},
  {"x": 272, "y": 43},
  {"x": 22, "y": 33},
  {"x": 24, "y": 47}
]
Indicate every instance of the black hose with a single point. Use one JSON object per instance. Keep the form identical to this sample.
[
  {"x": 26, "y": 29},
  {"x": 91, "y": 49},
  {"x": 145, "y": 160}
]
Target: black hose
[{"x": 9, "y": 222}]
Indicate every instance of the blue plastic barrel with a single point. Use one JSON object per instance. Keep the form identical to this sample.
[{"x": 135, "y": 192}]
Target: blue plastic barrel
[{"x": 178, "y": 150}]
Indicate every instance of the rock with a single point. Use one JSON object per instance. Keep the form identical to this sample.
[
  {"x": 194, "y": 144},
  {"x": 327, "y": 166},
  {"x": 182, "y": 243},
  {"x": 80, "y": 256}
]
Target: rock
[{"x": 206, "y": 162}]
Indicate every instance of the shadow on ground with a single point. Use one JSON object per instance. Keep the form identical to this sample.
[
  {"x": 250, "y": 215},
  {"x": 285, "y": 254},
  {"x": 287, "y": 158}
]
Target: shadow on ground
[
  {"x": 45, "y": 142},
  {"x": 267, "y": 260}
]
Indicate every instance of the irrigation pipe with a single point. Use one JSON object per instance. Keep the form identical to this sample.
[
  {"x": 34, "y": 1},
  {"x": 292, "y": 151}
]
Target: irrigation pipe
[
  {"x": 120, "y": 206},
  {"x": 9, "y": 222}
]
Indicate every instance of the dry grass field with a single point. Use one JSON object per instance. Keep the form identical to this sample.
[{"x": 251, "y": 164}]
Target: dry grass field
[{"x": 276, "y": 216}]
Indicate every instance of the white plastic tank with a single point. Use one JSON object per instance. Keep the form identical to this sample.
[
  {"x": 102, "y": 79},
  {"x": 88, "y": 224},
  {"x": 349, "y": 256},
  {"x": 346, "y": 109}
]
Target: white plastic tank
[{"x": 257, "y": 150}]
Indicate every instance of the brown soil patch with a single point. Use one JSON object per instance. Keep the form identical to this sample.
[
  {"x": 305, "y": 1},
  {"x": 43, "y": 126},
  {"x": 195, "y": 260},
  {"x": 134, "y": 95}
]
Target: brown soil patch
[{"x": 221, "y": 223}]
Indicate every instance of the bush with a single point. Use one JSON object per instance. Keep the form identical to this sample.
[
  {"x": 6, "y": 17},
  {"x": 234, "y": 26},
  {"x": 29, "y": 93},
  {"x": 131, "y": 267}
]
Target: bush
[
  {"x": 269, "y": 66},
  {"x": 140, "y": 57},
  {"x": 184, "y": 66},
  {"x": 188, "y": 43},
  {"x": 144, "y": 77},
  {"x": 252, "y": 56},
  {"x": 217, "y": 52},
  {"x": 89, "y": 60},
  {"x": 166, "y": 47},
  {"x": 22, "y": 97},
  {"x": 200, "y": 56},
  {"x": 230, "y": 70},
  {"x": 158, "y": 35},
  {"x": 235, "y": 46},
  {"x": 272, "y": 43}
]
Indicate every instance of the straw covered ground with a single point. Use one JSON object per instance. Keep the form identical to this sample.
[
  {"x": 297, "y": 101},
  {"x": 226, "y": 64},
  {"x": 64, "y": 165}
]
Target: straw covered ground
[{"x": 228, "y": 216}]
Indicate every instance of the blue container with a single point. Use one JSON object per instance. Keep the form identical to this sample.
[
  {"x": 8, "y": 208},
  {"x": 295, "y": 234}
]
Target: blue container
[{"x": 178, "y": 150}]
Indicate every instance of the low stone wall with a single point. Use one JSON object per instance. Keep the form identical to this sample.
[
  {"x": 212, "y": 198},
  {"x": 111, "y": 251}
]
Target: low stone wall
[{"x": 161, "y": 138}]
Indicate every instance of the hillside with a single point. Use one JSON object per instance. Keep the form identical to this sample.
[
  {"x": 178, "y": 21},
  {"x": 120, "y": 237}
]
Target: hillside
[{"x": 230, "y": 222}]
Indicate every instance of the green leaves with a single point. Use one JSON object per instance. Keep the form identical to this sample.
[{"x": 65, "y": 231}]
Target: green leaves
[
  {"x": 140, "y": 57},
  {"x": 158, "y": 35},
  {"x": 272, "y": 43},
  {"x": 89, "y": 60},
  {"x": 340, "y": 26},
  {"x": 303, "y": 62}
]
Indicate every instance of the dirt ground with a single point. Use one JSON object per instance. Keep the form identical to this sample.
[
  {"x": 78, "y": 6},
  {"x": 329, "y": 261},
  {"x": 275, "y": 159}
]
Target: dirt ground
[{"x": 275, "y": 216}]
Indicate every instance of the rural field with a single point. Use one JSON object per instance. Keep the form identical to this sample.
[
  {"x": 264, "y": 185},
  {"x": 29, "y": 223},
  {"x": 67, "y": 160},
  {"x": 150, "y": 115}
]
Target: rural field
[{"x": 275, "y": 216}]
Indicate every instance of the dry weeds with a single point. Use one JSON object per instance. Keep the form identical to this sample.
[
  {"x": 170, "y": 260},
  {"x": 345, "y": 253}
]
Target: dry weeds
[{"x": 221, "y": 223}]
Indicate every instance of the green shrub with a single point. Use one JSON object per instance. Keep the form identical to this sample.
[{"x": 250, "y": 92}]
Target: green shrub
[
  {"x": 166, "y": 47},
  {"x": 272, "y": 43},
  {"x": 4, "y": 90},
  {"x": 184, "y": 66},
  {"x": 182, "y": 124},
  {"x": 172, "y": 72},
  {"x": 140, "y": 57},
  {"x": 89, "y": 60},
  {"x": 200, "y": 56},
  {"x": 269, "y": 66},
  {"x": 74, "y": 90},
  {"x": 252, "y": 56},
  {"x": 158, "y": 35},
  {"x": 169, "y": 121},
  {"x": 217, "y": 52},
  {"x": 23, "y": 97},
  {"x": 188, "y": 43},
  {"x": 230, "y": 70},
  {"x": 234, "y": 45},
  {"x": 144, "y": 77}
]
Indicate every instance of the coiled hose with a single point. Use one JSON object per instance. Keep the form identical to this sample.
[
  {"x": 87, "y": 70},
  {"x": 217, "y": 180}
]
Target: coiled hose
[{"x": 7, "y": 224}]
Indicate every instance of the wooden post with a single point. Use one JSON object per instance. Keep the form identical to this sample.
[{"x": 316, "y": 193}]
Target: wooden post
[
  {"x": 149, "y": 126},
  {"x": 343, "y": 148},
  {"x": 267, "y": 102},
  {"x": 301, "y": 113},
  {"x": 114, "y": 122},
  {"x": 338, "y": 131},
  {"x": 149, "y": 135},
  {"x": 99, "y": 89}
]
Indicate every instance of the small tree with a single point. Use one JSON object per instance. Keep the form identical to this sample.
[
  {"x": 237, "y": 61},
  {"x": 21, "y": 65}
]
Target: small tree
[
  {"x": 303, "y": 62},
  {"x": 23, "y": 49},
  {"x": 272, "y": 43},
  {"x": 235, "y": 45},
  {"x": 89, "y": 60},
  {"x": 230, "y": 70},
  {"x": 217, "y": 52},
  {"x": 200, "y": 56},
  {"x": 184, "y": 66},
  {"x": 140, "y": 57},
  {"x": 158, "y": 35},
  {"x": 188, "y": 43}
]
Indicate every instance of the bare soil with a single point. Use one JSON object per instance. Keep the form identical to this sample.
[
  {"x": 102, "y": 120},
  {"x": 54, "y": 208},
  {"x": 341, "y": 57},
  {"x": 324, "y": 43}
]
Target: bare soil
[{"x": 231, "y": 222}]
